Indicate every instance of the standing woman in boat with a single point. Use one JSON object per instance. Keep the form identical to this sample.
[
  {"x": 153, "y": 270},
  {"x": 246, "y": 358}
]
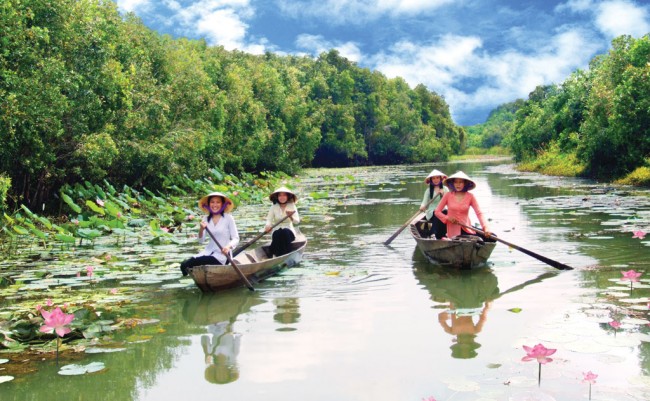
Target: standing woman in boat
[
  {"x": 221, "y": 224},
  {"x": 436, "y": 190},
  {"x": 284, "y": 204},
  {"x": 458, "y": 202}
]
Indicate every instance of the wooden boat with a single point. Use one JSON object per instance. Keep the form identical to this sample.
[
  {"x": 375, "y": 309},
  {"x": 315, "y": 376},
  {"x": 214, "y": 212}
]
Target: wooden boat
[
  {"x": 256, "y": 264},
  {"x": 462, "y": 252}
]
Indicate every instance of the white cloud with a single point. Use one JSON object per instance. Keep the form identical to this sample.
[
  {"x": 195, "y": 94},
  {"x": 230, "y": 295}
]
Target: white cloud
[
  {"x": 222, "y": 27},
  {"x": 131, "y": 5},
  {"x": 575, "y": 5},
  {"x": 445, "y": 65},
  {"x": 355, "y": 11},
  {"x": 220, "y": 22},
  {"x": 612, "y": 17},
  {"x": 316, "y": 44},
  {"x": 619, "y": 17}
]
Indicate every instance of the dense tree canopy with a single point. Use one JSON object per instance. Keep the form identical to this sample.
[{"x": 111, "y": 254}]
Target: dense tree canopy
[
  {"x": 601, "y": 116},
  {"x": 88, "y": 94}
]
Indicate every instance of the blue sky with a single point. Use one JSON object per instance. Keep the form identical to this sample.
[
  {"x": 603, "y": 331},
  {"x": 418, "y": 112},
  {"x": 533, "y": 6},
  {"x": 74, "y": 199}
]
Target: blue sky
[{"x": 478, "y": 54}]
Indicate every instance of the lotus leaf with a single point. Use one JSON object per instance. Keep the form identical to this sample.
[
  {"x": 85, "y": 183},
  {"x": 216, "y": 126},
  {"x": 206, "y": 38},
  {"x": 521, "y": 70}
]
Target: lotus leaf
[{"x": 74, "y": 369}]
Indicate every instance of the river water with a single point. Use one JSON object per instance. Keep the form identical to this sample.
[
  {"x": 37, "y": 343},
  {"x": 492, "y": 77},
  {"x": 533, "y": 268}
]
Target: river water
[{"x": 361, "y": 321}]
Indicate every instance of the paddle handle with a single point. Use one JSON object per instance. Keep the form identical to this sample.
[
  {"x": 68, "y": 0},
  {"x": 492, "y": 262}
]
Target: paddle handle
[
  {"x": 232, "y": 262},
  {"x": 239, "y": 250},
  {"x": 551, "y": 262},
  {"x": 392, "y": 237}
]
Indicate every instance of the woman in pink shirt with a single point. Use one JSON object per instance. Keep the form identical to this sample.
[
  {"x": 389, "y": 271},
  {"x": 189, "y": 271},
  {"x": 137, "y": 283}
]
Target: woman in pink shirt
[{"x": 458, "y": 202}]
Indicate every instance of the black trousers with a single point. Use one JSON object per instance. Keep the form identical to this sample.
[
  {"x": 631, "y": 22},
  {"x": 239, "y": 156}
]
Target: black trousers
[
  {"x": 198, "y": 261},
  {"x": 281, "y": 241},
  {"x": 438, "y": 228}
]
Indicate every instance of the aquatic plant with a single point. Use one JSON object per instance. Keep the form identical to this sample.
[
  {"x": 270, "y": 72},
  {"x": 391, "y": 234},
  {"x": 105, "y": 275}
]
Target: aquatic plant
[
  {"x": 56, "y": 321},
  {"x": 541, "y": 354},
  {"x": 639, "y": 234},
  {"x": 590, "y": 378},
  {"x": 631, "y": 276},
  {"x": 615, "y": 324}
]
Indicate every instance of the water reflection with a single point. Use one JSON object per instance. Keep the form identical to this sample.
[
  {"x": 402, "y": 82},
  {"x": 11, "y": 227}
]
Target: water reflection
[
  {"x": 221, "y": 348},
  {"x": 218, "y": 313},
  {"x": 465, "y": 297},
  {"x": 287, "y": 311}
]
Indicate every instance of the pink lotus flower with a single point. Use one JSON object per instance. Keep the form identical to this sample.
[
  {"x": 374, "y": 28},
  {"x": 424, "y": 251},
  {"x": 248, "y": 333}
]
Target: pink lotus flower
[
  {"x": 113, "y": 291},
  {"x": 190, "y": 217},
  {"x": 48, "y": 302},
  {"x": 615, "y": 324},
  {"x": 539, "y": 353},
  {"x": 639, "y": 234},
  {"x": 89, "y": 271},
  {"x": 100, "y": 202},
  {"x": 165, "y": 229},
  {"x": 429, "y": 399},
  {"x": 75, "y": 222},
  {"x": 119, "y": 215},
  {"x": 56, "y": 321},
  {"x": 235, "y": 193},
  {"x": 589, "y": 377},
  {"x": 631, "y": 275},
  {"x": 38, "y": 308}
]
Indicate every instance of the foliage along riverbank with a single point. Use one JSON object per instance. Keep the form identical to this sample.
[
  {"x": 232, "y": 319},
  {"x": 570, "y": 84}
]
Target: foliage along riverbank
[
  {"x": 595, "y": 124},
  {"x": 90, "y": 95},
  {"x": 90, "y": 263}
]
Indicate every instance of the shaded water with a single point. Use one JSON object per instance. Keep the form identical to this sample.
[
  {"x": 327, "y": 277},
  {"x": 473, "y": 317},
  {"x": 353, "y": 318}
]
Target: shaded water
[{"x": 361, "y": 321}]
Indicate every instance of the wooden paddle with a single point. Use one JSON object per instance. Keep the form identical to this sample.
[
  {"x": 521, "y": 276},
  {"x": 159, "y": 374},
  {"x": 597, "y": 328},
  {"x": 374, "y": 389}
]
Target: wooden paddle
[
  {"x": 232, "y": 262},
  {"x": 238, "y": 250},
  {"x": 392, "y": 237},
  {"x": 551, "y": 262}
]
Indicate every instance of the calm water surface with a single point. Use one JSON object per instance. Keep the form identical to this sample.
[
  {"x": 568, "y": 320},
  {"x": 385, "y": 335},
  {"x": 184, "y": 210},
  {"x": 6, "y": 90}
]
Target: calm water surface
[{"x": 361, "y": 321}]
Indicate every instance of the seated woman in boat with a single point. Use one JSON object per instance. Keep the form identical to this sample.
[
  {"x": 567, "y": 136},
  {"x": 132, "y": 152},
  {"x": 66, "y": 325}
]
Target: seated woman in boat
[
  {"x": 435, "y": 190},
  {"x": 284, "y": 204},
  {"x": 221, "y": 224},
  {"x": 458, "y": 201}
]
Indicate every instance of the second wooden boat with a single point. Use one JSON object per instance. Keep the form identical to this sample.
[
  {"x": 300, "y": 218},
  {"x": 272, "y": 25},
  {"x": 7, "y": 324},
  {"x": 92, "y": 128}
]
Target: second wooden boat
[
  {"x": 462, "y": 252},
  {"x": 256, "y": 264}
]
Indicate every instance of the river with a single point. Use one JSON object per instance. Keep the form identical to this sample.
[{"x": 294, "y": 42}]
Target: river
[{"x": 360, "y": 321}]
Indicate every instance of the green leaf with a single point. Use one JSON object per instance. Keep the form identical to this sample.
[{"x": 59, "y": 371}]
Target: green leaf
[
  {"x": 95, "y": 208},
  {"x": 20, "y": 230},
  {"x": 40, "y": 234},
  {"x": 65, "y": 238},
  {"x": 88, "y": 233},
  {"x": 72, "y": 370},
  {"x": 68, "y": 200},
  {"x": 44, "y": 221},
  {"x": 514, "y": 310},
  {"x": 9, "y": 219}
]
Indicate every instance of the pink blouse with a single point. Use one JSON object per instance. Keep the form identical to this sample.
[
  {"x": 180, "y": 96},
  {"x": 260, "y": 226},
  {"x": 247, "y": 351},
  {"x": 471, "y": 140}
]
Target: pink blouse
[{"x": 460, "y": 210}]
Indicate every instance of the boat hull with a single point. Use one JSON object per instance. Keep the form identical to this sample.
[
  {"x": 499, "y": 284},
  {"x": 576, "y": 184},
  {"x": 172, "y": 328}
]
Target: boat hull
[
  {"x": 463, "y": 252},
  {"x": 255, "y": 264}
]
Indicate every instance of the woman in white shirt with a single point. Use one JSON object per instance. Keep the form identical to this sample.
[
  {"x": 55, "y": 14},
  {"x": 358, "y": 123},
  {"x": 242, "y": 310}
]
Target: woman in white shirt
[
  {"x": 222, "y": 225},
  {"x": 435, "y": 190},
  {"x": 284, "y": 204}
]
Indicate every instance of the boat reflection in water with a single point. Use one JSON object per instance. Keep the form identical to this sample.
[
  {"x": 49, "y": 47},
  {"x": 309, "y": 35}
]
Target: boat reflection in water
[
  {"x": 218, "y": 313},
  {"x": 465, "y": 297}
]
